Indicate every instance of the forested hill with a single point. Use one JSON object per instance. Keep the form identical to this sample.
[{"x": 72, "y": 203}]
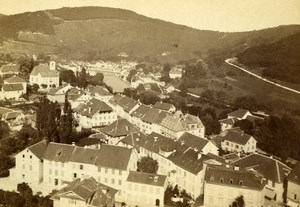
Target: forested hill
[
  {"x": 99, "y": 32},
  {"x": 281, "y": 59}
]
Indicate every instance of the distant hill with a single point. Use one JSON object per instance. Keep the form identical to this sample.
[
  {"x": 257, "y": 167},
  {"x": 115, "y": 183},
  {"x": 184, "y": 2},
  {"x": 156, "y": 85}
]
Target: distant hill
[
  {"x": 281, "y": 59},
  {"x": 98, "y": 32}
]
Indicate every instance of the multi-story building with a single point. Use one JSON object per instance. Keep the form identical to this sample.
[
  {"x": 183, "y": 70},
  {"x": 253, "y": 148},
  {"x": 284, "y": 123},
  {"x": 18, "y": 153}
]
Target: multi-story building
[
  {"x": 274, "y": 171},
  {"x": 293, "y": 187},
  {"x": 99, "y": 92},
  {"x": 145, "y": 189},
  {"x": 55, "y": 165},
  {"x": 224, "y": 183},
  {"x": 9, "y": 69},
  {"x": 58, "y": 94},
  {"x": 94, "y": 114},
  {"x": 13, "y": 88},
  {"x": 44, "y": 74}
]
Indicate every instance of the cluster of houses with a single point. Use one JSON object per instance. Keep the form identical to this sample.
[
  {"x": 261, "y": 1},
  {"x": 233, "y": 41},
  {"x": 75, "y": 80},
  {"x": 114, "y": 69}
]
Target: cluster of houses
[{"x": 104, "y": 172}]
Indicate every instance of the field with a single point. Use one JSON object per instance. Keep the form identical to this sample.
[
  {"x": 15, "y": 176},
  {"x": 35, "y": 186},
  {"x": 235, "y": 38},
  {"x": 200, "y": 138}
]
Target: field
[
  {"x": 242, "y": 84},
  {"x": 117, "y": 84}
]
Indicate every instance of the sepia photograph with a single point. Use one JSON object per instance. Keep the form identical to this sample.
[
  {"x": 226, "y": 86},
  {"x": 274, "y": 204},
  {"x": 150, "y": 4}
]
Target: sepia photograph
[{"x": 149, "y": 103}]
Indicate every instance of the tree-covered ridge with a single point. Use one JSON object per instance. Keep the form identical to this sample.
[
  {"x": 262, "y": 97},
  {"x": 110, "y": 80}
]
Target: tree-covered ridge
[{"x": 281, "y": 59}]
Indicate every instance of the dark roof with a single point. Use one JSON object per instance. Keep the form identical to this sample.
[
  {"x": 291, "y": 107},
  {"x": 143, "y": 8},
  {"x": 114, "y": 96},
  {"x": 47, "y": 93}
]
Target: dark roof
[
  {"x": 223, "y": 174},
  {"x": 35, "y": 97},
  {"x": 140, "y": 111},
  {"x": 193, "y": 141},
  {"x": 92, "y": 107},
  {"x": 44, "y": 71},
  {"x": 118, "y": 128},
  {"x": 147, "y": 178},
  {"x": 270, "y": 168},
  {"x": 229, "y": 121},
  {"x": 53, "y": 91},
  {"x": 4, "y": 110},
  {"x": 107, "y": 156},
  {"x": 238, "y": 113},
  {"x": 15, "y": 79},
  {"x": 13, "y": 87},
  {"x": 125, "y": 102},
  {"x": 154, "y": 116},
  {"x": 163, "y": 106},
  {"x": 12, "y": 115},
  {"x": 231, "y": 157},
  {"x": 294, "y": 176},
  {"x": 88, "y": 190},
  {"x": 237, "y": 137}
]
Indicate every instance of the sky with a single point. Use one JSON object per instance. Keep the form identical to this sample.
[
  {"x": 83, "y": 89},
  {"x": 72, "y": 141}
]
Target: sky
[{"x": 220, "y": 15}]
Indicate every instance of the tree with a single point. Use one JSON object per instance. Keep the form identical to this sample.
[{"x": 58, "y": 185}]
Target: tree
[
  {"x": 83, "y": 78},
  {"x": 147, "y": 165},
  {"x": 66, "y": 123},
  {"x": 26, "y": 66},
  {"x": 24, "y": 190},
  {"x": 4, "y": 129},
  {"x": 239, "y": 202},
  {"x": 5, "y": 164},
  {"x": 149, "y": 97},
  {"x": 245, "y": 125}
]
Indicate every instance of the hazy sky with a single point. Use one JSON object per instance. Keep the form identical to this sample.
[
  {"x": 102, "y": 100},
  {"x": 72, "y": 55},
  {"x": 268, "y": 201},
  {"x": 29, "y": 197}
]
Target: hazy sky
[{"x": 222, "y": 15}]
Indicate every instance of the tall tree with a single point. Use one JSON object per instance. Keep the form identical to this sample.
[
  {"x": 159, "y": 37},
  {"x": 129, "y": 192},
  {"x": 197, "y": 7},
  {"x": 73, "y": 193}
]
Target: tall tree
[{"x": 147, "y": 165}]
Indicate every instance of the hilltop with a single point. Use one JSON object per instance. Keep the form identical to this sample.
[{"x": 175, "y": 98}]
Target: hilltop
[
  {"x": 98, "y": 32},
  {"x": 280, "y": 60}
]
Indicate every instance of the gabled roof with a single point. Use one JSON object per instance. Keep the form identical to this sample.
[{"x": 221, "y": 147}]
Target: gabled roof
[
  {"x": 227, "y": 175},
  {"x": 4, "y": 110},
  {"x": 11, "y": 115},
  {"x": 270, "y": 168},
  {"x": 154, "y": 116},
  {"x": 119, "y": 128},
  {"x": 92, "y": 107},
  {"x": 44, "y": 71},
  {"x": 229, "y": 121},
  {"x": 10, "y": 68},
  {"x": 140, "y": 111},
  {"x": 12, "y": 87},
  {"x": 294, "y": 176},
  {"x": 163, "y": 106},
  {"x": 107, "y": 156},
  {"x": 193, "y": 141},
  {"x": 237, "y": 137},
  {"x": 146, "y": 178},
  {"x": 240, "y": 113},
  {"x": 54, "y": 91},
  {"x": 125, "y": 102},
  {"x": 14, "y": 79},
  {"x": 88, "y": 190}
]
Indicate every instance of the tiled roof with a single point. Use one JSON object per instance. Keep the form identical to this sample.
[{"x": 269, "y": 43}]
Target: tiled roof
[
  {"x": 15, "y": 79},
  {"x": 44, "y": 71},
  {"x": 118, "y": 128},
  {"x": 53, "y": 91},
  {"x": 12, "y": 87},
  {"x": 240, "y": 113},
  {"x": 231, "y": 157},
  {"x": 229, "y": 121},
  {"x": 92, "y": 107},
  {"x": 163, "y": 106},
  {"x": 107, "y": 156},
  {"x": 125, "y": 102},
  {"x": 237, "y": 137},
  {"x": 154, "y": 116},
  {"x": 88, "y": 190},
  {"x": 294, "y": 176},
  {"x": 11, "y": 115},
  {"x": 270, "y": 168},
  {"x": 9, "y": 68},
  {"x": 227, "y": 175},
  {"x": 140, "y": 111},
  {"x": 147, "y": 178},
  {"x": 4, "y": 110},
  {"x": 193, "y": 141}
]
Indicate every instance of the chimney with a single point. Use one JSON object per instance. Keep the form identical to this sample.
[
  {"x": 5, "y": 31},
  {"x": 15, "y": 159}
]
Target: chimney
[
  {"x": 52, "y": 65},
  {"x": 155, "y": 139},
  {"x": 199, "y": 156},
  {"x": 90, "y": 109},
  {"x": 155, "y": 179},
  {"x": 182, "y": 142},
  {"x": 73, "y": 143},
  {"x": 236, "y": 168}
]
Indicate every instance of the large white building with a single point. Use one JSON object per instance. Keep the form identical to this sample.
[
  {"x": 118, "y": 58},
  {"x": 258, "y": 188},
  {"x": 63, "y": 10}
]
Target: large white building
[
  {"x": 13, "y": 88},
  {"x": 45, "y": 75},
  {"x": 55, "y": 165},
  {"x": 224, "y": 183}
]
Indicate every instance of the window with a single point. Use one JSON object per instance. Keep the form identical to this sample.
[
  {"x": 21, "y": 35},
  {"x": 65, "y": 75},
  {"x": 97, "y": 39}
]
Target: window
[
  {"x": 23, "y": 156},
  {"x": 120, "y": 182},
  {"x": 230, "y": 181},
  {"x": 30, "y": 156},
  {"x": 221, "y": 180},
  {"x": 295, "y": 196},
  {"x": 81, "y": 167},
  {"x": 112, "y": 181},
  {"x": 72, "y": 201},
  {"x": 55, "y": 181},
  {"x": 240, "y": 182},
  {"x": 74, "y": 175},
  {"x": 237, "y": 146}
]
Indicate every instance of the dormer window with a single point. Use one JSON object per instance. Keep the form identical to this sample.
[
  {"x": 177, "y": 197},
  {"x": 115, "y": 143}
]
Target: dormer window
[
  {"x": 240, "y": 182},
  {"x": 211, "y": 178},
  {"x": 221, "y": 180},
  {"x": 231, "y": 181}
]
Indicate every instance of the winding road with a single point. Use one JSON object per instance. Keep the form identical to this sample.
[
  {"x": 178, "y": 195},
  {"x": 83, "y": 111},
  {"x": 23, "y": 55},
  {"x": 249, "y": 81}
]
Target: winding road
[{"x": 229, "y": 62}]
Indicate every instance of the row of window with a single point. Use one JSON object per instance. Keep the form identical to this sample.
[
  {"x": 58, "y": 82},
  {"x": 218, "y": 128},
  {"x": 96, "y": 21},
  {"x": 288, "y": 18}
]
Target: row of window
[
  {"x": 143, "y": 188},
  {"x": 221, "y": 180},
  {"x": 109, "y": 181}
]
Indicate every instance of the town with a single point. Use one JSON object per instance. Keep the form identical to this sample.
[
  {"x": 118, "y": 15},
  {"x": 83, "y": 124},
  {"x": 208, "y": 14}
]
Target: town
[{"x": 102, "y": 134}]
